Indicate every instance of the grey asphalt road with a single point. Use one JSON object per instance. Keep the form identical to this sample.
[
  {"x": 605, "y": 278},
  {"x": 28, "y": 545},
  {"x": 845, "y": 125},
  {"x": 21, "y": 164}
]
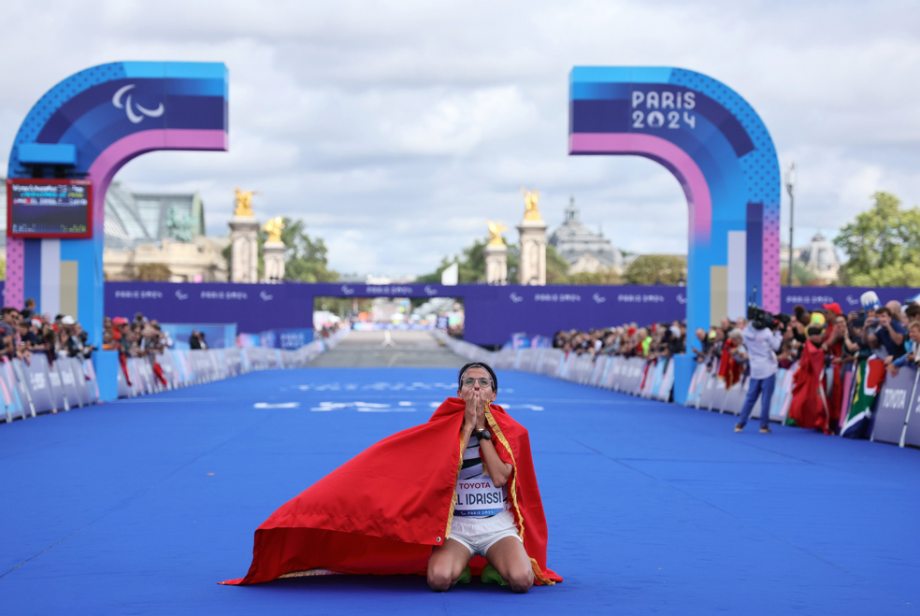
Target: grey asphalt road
[{"x": 417, "y": 349}]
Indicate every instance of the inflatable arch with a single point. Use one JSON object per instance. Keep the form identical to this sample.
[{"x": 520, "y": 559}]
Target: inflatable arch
[
  {"x": 719, "y": 150},
  {"x": 89, "y": 126}
]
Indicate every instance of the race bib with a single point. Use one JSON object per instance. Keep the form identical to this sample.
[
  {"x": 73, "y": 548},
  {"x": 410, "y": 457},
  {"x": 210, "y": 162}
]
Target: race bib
[{"x": 477, "y": 496}]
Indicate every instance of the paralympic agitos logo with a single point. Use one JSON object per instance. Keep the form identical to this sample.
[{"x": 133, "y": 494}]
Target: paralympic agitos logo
[{"x": 128, "y": 105}]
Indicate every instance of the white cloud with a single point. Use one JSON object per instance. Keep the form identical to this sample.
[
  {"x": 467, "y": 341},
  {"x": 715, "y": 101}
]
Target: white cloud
[{"x": 395, "y": 129}]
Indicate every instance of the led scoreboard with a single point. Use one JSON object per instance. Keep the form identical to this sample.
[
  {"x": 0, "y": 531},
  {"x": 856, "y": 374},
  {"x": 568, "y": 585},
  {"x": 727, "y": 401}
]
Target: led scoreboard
[{"x": 38, "y": 208}]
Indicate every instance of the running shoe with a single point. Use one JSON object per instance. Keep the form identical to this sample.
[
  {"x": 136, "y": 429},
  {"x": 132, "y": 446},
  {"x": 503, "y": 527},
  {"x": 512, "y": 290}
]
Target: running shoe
[{"x": 490, "y": 575}]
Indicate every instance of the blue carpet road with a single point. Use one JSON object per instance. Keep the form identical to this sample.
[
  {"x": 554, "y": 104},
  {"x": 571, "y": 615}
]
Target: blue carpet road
[{"x": 142, "y": 506}]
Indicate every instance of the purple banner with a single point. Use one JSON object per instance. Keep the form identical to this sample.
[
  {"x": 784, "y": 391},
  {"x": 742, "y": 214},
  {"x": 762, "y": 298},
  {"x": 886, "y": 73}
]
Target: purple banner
[
  {"x": 253, "y": 307},
  {"x": 912, "y": 434},
  {"x": 891, "y": 407},
  {"x": 493, "y": 314},
  {"x": 847, "y": 297}
]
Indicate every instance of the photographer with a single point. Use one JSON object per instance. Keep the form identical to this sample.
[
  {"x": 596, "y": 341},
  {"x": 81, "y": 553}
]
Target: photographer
[{"x": 762, "y": 336}]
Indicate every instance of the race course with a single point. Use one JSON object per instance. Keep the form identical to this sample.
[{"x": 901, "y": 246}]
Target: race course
[{"x": 141, "y": 506}]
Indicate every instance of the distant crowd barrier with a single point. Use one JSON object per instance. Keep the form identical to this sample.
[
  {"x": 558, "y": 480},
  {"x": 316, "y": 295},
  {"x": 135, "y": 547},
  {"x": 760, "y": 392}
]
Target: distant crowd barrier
[
  {"x": 632, "y": 375},
  {"x": 888, "y": 419},
  {"x": 37, "y": 386},
  {"x": 896, "y": 418},
  {"x": 31, "y": 388},
  {"x": 708, "y": 392}
]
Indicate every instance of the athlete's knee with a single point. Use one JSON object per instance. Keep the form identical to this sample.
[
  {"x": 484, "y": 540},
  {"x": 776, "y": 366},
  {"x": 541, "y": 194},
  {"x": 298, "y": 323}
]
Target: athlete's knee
[
  {"x": 520, "y": 580},
  {"x": 440, "y": 578}
]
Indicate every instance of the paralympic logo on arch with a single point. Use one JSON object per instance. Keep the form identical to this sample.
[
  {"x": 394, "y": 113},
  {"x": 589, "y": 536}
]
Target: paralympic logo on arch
[{"x": 128, "y": 105}]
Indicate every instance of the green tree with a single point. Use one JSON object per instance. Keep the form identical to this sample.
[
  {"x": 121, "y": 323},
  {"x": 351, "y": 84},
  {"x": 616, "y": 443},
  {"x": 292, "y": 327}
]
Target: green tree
[
  {"x": 472, "y": 264},
  {"x": 882, "y": 245},
  {"x": 801, "y": 275},
  {"x": 657, "y": 269},
  {"x": 472, "y": 268},
  {"x": 152, "y": 272},
  {"x": 605, "y": 276},
  {"x": 343, "y": 306},
  {"x": 557, "y": 268},
  {"x": 305, "y": 258}
]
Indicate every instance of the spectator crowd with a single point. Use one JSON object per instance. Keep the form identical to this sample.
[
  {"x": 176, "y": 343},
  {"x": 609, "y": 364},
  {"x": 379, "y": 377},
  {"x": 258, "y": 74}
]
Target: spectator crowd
[
  {"x": 829, "y": 342},
  {"x": 141, "y": 338},
  {"x": 658, "y": 340},
  {"x": 24, "y": 333},
  {"x": 882, "y": 332}
]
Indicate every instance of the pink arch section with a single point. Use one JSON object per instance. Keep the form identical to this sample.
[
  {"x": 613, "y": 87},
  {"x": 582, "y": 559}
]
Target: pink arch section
[
  {"x": 103, "y": 169},
  {"x": 669, "y": 155},
  {"x": 117, "y": 155}
]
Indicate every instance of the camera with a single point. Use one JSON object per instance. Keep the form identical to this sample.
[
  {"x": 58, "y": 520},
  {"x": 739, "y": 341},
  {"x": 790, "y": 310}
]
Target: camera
[{"x": 761, "y": 319}]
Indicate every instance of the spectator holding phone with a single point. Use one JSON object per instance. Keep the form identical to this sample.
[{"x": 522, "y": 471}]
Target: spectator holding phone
[
  {"x": 913, "y": 349},
  {"x": 890, "y": 332}
]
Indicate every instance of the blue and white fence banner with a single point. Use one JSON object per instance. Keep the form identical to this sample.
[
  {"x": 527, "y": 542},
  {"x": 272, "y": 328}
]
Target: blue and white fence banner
[
  {"x": 633, "y": 375},
  {"x": 29, "y": 388},
  {"x": 893, "y": 406},
  {"x": 896, "y": 418}
]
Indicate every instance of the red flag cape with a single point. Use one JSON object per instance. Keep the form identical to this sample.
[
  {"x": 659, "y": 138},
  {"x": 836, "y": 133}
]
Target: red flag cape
[
  {"x": 808, "y": 404},
  {"x": 383, "y": 510},
  {"x": 730, "y": 370},
  {"x": 835, "y": 400},
  {"x": 875, "y": 374}
]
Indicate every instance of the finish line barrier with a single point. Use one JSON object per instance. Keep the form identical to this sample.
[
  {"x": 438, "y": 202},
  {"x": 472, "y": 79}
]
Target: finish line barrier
[
  {"x": 28, "y": 389},
  {"x": 632, "y": 375},
  {"x": 896, "y": 419}
]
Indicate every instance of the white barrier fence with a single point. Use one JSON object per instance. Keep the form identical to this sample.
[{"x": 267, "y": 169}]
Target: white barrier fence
[
  {"x": 631, "y": 375},
  {"x": 707, "y": 391},
  {"x": 898, "y": 400},
  {"x": 38, "y": 386}
]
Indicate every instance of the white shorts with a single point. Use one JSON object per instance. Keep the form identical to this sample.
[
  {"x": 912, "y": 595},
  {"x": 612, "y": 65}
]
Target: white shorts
[{"x": 479, "y": 534}]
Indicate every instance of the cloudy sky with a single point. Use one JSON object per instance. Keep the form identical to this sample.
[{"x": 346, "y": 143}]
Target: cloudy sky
[{"x": 396, "y": 129}]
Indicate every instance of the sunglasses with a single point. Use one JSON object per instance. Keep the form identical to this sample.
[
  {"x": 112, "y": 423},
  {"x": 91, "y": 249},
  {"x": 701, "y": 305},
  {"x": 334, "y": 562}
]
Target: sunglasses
[{"x": 483, "y": 382}]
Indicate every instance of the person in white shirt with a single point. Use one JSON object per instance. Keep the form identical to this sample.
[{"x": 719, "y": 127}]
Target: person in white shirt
[{"x": 762, "y": 345}]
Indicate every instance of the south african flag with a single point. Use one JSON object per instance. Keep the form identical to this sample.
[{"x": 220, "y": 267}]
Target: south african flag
[{"x": 870, "y": 373}]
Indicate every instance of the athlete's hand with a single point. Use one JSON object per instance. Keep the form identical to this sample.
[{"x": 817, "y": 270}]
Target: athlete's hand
[
  {"x": 473, "y": 404},
  {"x": 481, "y": 413}
]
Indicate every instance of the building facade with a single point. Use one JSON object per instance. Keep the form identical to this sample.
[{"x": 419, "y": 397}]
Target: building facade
[
  {"x": 583, "y": 249},
  {"x": 818, "y": 257},
  {"x": 160, "y": 229}
]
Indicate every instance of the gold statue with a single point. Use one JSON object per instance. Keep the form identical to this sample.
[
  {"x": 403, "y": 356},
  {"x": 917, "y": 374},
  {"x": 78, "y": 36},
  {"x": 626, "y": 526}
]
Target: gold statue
[
  {"x": 495, "y": 233},
  {"x": 532, "y": 203},
  {"x": 273, "y": 227},
  {"x": 244, "y": 202}
]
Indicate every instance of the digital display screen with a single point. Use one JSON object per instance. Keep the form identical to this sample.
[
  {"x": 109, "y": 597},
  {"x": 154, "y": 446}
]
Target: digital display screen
[{"x": 40, "y": 208}]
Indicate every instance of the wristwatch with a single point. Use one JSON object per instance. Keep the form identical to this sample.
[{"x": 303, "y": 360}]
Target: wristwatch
[{"x": 483, "y": 434}]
